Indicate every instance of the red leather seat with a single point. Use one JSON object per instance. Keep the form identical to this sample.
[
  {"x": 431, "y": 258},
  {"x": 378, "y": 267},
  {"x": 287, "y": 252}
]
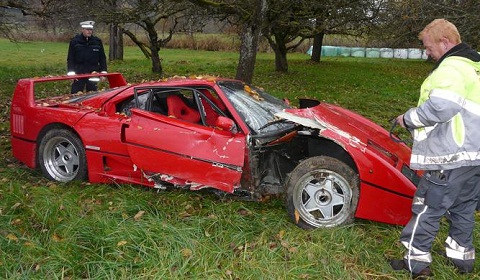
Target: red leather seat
[{"x": 180, "y": 110}]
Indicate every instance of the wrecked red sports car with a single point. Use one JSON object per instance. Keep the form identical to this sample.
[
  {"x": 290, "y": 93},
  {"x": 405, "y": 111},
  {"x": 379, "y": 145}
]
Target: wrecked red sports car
[{"x": 330, "y": 163}]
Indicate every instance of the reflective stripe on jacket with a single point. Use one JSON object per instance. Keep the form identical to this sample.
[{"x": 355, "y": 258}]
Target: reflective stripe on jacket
[{"x": 446, "y": 122}]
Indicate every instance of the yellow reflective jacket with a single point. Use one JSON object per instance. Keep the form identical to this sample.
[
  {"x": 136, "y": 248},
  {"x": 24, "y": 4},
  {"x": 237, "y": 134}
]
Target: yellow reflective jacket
[{"x": 446, "y": 122}]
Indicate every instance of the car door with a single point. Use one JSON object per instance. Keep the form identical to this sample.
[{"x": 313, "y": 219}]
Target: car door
[{"x": 198, "y": 154}]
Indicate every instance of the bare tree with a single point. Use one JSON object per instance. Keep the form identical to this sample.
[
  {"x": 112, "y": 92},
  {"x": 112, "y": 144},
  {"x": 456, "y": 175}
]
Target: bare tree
[
  {"x": 107, "y": 12},
  {"x": 249, "y": 15},
  {"x": 400, "y": 21},
  {"x": 150, "y": 16},
  {"x": 9, "y": 10},
  {"x": 344, "y": 17},
  {"x": 286, "y": 26}
]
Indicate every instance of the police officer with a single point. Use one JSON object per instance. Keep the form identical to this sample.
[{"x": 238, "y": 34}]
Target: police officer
[
  {"x": 85, "y": 55},
  {"x": 446, "y": 134}
]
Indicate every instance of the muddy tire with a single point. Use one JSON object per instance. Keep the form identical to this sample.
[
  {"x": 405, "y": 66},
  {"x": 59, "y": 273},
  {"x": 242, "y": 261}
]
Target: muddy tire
[{"x": 322, "y": 192}]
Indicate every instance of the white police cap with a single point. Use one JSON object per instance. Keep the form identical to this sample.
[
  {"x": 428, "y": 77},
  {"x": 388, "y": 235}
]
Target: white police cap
[{"x": 87, "y": 24}]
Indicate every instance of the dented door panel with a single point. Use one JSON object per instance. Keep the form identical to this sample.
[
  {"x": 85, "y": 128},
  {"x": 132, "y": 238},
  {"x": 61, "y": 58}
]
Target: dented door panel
[{"x": 207, "y": 156}]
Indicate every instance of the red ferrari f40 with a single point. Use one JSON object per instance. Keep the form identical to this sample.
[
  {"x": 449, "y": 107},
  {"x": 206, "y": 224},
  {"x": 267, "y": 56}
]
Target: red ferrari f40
[{"x": 331, "y": 164}]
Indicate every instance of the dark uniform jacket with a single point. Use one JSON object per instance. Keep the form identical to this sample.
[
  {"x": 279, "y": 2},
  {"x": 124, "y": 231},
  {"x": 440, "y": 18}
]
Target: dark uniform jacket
[{"x": 86, "y": 56}]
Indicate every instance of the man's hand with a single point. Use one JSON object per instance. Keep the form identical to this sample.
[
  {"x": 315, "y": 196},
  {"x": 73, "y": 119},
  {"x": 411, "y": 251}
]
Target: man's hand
[{"x": 71, "y": 73}]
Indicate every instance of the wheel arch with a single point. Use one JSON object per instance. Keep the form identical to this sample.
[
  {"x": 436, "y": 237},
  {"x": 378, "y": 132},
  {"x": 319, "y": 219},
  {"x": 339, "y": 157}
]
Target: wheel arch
[{"x": 320, "y": 146}]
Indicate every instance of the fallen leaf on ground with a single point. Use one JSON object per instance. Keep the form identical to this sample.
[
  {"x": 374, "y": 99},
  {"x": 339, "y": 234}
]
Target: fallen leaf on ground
[{"x": 139, "y": 215}]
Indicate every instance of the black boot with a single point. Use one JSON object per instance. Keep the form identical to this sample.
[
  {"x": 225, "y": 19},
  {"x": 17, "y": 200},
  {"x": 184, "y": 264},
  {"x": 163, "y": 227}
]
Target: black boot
[{"x": 400, "y": 264}]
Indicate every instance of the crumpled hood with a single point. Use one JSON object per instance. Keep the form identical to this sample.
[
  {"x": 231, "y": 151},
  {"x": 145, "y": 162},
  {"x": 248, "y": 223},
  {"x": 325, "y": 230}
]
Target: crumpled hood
[{"x": 345, "y": 126}]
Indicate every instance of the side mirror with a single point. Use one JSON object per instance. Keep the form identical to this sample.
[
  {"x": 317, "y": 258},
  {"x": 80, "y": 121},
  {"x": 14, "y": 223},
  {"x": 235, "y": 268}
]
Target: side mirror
[{"x": 225, "y": 123}]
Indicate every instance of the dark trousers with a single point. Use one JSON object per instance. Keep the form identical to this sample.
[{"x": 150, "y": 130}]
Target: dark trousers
[
  {"x": 453, "y": 194},
  {"x": 82, "y": 84}
]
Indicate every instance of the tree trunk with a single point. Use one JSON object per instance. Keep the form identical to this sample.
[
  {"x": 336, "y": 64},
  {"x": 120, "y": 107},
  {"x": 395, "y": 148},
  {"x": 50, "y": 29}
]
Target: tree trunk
[
  {"x": 317, "y": 47},
  {"x": 281, "y": 63},
  {"x": 248, "y": 53},
  {"x": 156, "y": 63},
  {"x": 115, "y": 51},
  {"x": 249, "y": 42}
]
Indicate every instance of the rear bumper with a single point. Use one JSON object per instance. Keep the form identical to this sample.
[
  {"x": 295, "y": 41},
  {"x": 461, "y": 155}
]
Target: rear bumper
[{"x": 24, "y": 151}]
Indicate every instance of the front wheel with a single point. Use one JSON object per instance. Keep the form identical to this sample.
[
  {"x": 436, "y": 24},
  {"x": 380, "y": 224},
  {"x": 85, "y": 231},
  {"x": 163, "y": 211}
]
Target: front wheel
[
  {"x": 322, "y": 192},
  {"x": 61, "y": 156}
]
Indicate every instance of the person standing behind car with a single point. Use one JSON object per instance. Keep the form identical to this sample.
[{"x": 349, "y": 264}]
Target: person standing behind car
[
  {"x": 85, "y": 55},
  {"x": 445, "y": 127}
]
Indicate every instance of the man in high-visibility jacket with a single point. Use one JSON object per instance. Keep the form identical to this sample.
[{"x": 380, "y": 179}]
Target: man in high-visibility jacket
[{"x": 446, "y": 131}]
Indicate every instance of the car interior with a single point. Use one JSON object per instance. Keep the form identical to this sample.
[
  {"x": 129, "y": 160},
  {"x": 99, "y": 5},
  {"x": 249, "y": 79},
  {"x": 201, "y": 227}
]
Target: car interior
[{"x": 178, "y": 103}]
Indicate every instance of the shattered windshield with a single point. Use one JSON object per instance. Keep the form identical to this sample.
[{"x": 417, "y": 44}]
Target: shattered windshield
[{"x": 256, "y": 107}]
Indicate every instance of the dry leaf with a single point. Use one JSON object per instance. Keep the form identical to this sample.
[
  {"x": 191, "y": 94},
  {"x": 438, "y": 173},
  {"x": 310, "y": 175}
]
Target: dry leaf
[
  {"x": 184, "y": 214},
  {"x": 12, "y": 237},
  {"x": 297, "y": 216},
  {"x": 186, "y": 253},
  {"x": 121, "y": 243},
  {"x": 243, "y": 212},
  {"x": 293, "y": 250},
  {"x": 139, "y": 215},
  {"x": 16, "y": 205},
  {"x": 56, "y": 237}
]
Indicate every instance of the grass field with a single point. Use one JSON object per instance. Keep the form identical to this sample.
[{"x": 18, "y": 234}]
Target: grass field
[{"x": 84, "y": 231}]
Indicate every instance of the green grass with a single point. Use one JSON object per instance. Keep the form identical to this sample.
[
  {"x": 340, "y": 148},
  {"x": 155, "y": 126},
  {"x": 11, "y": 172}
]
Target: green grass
[{"x": 84, "y": 231}]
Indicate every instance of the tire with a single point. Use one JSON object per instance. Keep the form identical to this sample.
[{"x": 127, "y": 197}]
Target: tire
[
  {"x": 322, "y": 192},
  {"x": 61, "y": 156}
]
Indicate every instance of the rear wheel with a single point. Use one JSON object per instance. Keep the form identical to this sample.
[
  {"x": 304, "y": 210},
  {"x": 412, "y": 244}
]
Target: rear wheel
[
  {"x": 322, "y": 192},
  {"x": 61, "y": 156}
]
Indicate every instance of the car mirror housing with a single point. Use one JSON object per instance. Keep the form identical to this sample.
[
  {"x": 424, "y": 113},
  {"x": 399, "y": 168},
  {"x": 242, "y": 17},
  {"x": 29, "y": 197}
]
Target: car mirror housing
[{"x": 225, "y": 123}]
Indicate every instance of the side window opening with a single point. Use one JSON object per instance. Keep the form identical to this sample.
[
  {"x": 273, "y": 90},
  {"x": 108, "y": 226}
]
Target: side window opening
[
  {"x": 196, "y": 105},
  {"x": 138, "y": 100}
]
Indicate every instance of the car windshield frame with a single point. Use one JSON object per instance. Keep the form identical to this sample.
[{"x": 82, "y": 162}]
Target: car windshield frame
[{"x": 256, "y": 107}]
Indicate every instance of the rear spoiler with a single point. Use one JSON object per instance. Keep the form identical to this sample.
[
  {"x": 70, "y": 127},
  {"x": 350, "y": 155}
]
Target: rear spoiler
[{"x": 27, "y": 85}]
